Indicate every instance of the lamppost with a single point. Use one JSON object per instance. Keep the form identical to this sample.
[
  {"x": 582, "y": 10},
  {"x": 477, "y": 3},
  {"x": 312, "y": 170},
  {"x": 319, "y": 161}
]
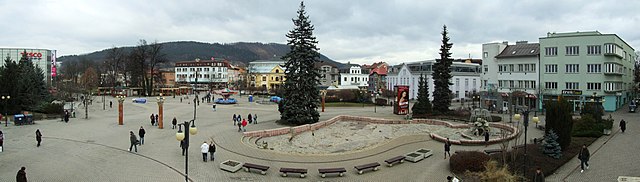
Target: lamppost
[
  {"x": 120, "y": 111},
  {"x": 324, "y": 94},
  {"x": 476, "y": 97},
  {"x": 182, "y": 136},
  {"x": 160, "y": 110},
  {"x": 5, "y": 100},
  {"x": 535, "y": 119}
]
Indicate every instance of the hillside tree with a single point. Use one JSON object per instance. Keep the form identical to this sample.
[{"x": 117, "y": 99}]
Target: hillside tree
[
  {"x": 300, "y": 95},
  {"x": 442, "y": 75}
]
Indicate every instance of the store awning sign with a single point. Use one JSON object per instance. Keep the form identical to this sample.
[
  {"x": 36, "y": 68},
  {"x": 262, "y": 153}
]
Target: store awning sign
[{"x": 571, "y": 92}]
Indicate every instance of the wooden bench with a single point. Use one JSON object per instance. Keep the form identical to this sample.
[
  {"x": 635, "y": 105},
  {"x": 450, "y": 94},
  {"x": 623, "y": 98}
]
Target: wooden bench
[
  {"x": 249, "y": 166},
  {"x": 339, "y": 170},
  {"x": 491, "y": 151},
  {"x": 300, "y": 171},
  {"x": 397, "y": 159},
  {"x": 518, "y": 146},
  {"x": 374, "y": 166}
]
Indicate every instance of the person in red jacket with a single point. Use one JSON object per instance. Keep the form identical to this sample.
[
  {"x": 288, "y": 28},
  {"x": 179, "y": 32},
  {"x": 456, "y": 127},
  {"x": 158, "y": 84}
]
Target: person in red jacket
[{"x": 244, "y": 124}]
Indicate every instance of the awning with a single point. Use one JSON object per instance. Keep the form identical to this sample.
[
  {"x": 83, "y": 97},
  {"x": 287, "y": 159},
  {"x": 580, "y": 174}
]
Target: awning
[
  {"x": 504, "y": 94},
  {"x": 531, "y": 96}
]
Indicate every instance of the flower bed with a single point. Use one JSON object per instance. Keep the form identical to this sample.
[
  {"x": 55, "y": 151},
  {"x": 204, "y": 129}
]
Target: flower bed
[
  {"x": 414, "y": 157},
  {"x": 231, "y": 166}
]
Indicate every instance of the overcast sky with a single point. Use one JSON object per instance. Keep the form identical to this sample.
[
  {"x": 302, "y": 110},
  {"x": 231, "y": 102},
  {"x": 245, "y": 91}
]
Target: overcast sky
[{"x": 359, "y": 31}]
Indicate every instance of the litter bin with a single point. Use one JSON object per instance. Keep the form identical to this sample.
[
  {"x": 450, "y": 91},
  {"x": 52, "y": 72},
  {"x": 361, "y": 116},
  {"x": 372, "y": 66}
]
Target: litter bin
[
  {"x": 18, "y": 119},
  {"x": 28, "y": 118},
  {"x": 250, "y": 98}
]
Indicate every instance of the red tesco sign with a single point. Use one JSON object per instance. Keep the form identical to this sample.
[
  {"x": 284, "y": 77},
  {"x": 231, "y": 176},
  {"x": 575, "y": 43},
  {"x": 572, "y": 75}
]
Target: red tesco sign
[{"x": 32, "y": 54}]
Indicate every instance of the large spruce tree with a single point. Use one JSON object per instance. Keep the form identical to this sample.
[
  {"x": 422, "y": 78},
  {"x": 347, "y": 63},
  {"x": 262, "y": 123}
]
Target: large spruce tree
[
  {"x": 423, "y": 106},
  {"x": 559, "y": 119},
  {"x": 441, "y": 76},
  {"x": 300, "y": 94}
]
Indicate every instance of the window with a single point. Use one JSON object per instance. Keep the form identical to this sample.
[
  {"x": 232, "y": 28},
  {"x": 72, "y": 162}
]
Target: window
[
  {"x": 572, "y": 85},
  {"x": 485, "y": 54},
  {"x": 520, "y": 68},
  {"x": 345, "y": 79},
  {"x": 594, "y": 68},
  {"x": 594, "y": 86},
  {"x": 511, "y": 84},
  {"x": 520, "y": 84},
  {"x": 551, "y": 85},
  {"x": 572, "y": 68},
  {"x": 533, "y": 84},
  {"x": 264, "y": 78},
  {"x": 550, "y": 68},
  {"x": 594, "y": 50},
  {"x": 486, "y": 68},
  {"x": 500, "y": 85},
  {"x": 511, "y": 67},
  {"x": 533, "y": 68},
  {"x": 551, "y": 51},
  {"x": 527, "y": 67},
  {"x": 500, "y": 68},
  {"x": 572, "y": 50}
]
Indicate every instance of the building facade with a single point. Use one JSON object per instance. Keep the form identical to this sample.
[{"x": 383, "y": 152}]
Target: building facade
[
  {"x": 352, "y": 75},
  {"x": 236, "y": 77},
  {"x": 202, "y": 74},
  {"x": 510, "y": 76},
  {"x": 466, "y": 78},
  {"x": 45, "y": 59},
  {"x": 329, "y": 74},
  {"x": 377, "y": 77},
  {"x": 266, "y": 75},
  {"x": 587, "y": 67}
]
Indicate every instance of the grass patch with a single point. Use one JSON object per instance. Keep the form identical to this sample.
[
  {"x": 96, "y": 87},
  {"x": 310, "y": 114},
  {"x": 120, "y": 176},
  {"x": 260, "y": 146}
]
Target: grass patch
[{"x": 347, "y": 104}]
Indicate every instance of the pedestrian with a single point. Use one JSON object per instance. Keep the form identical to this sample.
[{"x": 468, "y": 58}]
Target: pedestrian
[
  {"x": 180, "y": 99},
  {"x": 584, "y": 158},
  {"x": 22, "y": 175},
  {"x": 174, "y": 122},
  {"x": 250, "y": 119},
  {"x": 244, "y": 125},
  {"x": 157, "y": 121},
  {"x": 152, "y": 118},
  {"x": 110, "y": 104},
  {"x": 239, "y": 118},
  {"x": 623, "y": 125},
  {"x": 452, "y": 179},
  {"x": 539, "y": 176},
  {"x": 38, "y": 137},
  {"x": 255, "y": 118},
  {"x": 66, "y": 116},
  {"x": 486, "y": 138},
  {"x": 183, "y": 145},
  {"x": 212, "y": 150},
  {"x": 1, "y": 141},
  {"x": 204, "y": 149},
  {"x": 133, "y": 140},
  {"x": 239, "y": 126},
  {"x": 447, "y": 148},
  {"x": 141, "y": 132},
  {"x": 234, "y": 119}
]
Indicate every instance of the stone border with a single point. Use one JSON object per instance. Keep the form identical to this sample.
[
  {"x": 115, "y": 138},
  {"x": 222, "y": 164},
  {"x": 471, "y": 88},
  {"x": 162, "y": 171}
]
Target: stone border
[{"x": 315, "y": 126}]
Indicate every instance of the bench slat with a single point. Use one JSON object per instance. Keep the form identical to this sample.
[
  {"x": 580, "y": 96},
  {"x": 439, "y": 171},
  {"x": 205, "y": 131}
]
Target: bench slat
[
  {"x": 332, "y": 170},
  {"x": 367, "y": 166},
  {"x": 255, "y": 166}
]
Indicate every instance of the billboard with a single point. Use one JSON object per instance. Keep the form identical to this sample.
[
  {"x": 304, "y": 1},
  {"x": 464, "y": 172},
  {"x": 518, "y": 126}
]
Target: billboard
[
  {"x": 402, "y": 100},
  {"x": 53, "y": 64}
]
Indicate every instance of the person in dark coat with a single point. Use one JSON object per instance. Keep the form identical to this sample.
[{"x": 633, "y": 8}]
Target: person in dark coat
[
  {"x": 234, "y": 119},
  {"x": 110, "y": 104},
  {"x": 22, "y": 175},
  {"x": 584, "y": 158},
  {"x": 66, "y": 116},
  {"x": 212, "y": 150},
  {"x": 255, "y": 118},
  {"x": 1, "y": 141},
  {"x": 153, "y": 121},
  {"x": 174, "y": 122},
  {"x": 250, "y": 119},
  {"x": 539, "y": 176},
  {"x": 133, "y": 140},
  {"x": 239, "y": 126},
  {"x": 157, "y": 121},
  {"x": 38, "y": 137},
  {"x": 447, "y": 148},
  {"x": 486, "y": 138},
  {"x": 623, "y": 125},
  {"x": 141, "y": 132}
]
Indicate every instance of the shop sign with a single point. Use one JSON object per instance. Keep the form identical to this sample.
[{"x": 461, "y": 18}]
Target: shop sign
[{"x": 571, "y": 92}]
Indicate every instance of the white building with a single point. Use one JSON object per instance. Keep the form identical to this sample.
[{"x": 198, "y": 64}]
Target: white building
[
  {"x": 205, "y": 75},
  {"x": 466, "y": 78},
  {"x": 352, "y": 75},
  {"x": 510, "y": 73}
]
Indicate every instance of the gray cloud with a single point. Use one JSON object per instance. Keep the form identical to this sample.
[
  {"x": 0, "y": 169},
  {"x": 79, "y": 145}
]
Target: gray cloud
[{"x": 359, "y": 31}]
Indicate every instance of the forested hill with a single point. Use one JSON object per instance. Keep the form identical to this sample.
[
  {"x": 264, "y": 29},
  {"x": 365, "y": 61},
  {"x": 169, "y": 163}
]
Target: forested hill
[{"x": 240, "y": 52}]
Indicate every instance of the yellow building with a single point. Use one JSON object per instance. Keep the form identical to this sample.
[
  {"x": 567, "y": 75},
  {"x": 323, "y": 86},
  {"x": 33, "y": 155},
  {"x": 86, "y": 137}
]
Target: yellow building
[{"x": 267, "y": 75}]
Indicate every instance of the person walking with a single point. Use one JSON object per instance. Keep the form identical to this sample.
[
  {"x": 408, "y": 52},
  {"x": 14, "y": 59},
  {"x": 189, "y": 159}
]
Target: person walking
[
  {"x": 174, "y": 122},
  {"x": 141, "y": 133},
  {"x": 447, "y": 148},
  {"x": 134, "y": 141},
  {"x": 110, "y": 104},
  {"x": 153, "y": 121},
  {"x": 212, "y": 150},
  {"x": 1, "y": 142},
  {"x": 486, "y": 138},
  {"x": 623, "y": 125},
  {"x": 584, "y": 158},
  {"x": 234, "y": 119},
  {"x": 157, "y": 121},
  {"x": 183, "y": 145},
  {"x": 250, "y": 119},
  {"x": 539, "y": 176},
  {"x": 204, "y": 149},
  {"x": 255, "y": 118},
  {"x": 244, "y": 125},
  {"x": 239, "y": 126},
  {"x": 22, "y": 175},
  {"x": 38, "y": 137}
]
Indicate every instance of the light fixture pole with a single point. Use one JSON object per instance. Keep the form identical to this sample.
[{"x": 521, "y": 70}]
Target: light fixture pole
[
  {"x": 324, "y": 94},
  {"x": 120, "y": 109},
  {"x": 5, "y": 100},
  {"x": 180, "y": 136},
  {"x": 160, "y": 111}
]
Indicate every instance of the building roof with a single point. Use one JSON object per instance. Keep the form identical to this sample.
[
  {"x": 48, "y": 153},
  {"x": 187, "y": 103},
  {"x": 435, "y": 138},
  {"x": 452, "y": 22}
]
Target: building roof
[
  {"x": 521, "y": 49},
  {"x": 199, "y": 63},
  {"x": 380, "y": 70}
]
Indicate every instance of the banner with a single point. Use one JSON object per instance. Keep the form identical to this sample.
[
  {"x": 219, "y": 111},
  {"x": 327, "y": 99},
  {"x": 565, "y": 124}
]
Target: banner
[
  {"x": 402, "y": 100},
  {"x": 53, "y": 64}
]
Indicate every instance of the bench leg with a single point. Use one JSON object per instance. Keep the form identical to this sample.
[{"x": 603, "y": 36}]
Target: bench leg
[
  {"x": 263, "y": 172},
  {"x": 284, "y": 174},
  {"x": 302, "y": 175},
  {"x": 359, "y": 172},
  {"x": 390, "y": 164},
  {"x": 375, "y": 168},
  {"x": 323, "y": 175},
  {"x": 340, "y": 174},
  {"x": 246, "y": 169},
  {"x": 402, "y": 161}
]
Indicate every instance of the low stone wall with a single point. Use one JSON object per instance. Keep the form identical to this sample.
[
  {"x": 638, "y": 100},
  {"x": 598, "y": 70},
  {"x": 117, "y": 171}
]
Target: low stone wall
[{"x": 308, "y": 127}]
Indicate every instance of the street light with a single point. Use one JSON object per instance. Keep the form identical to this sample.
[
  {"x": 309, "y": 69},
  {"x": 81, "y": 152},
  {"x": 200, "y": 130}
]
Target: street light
[
  {"x": 526, "y": 125},
  {"x": 120, "y": 110},
  {"x": 5, "y": 100},
  {"x": 180, "y": 136},
  {"x": 160, "y": 110}
]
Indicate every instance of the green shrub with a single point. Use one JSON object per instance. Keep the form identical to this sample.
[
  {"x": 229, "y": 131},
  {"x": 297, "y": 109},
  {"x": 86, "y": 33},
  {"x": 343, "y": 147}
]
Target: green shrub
[
  {"x": 49, "y": 108},
  {"x": 472, "y": 161},
  {"x": 587, "y": 126}
]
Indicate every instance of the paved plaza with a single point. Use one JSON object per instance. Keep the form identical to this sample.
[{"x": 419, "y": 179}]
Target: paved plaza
[{"x": 96, "y": 149}]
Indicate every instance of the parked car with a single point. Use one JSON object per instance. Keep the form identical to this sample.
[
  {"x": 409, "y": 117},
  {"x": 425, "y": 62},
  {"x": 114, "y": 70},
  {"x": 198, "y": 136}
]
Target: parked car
[
  {"x": 632, "y": 106},
  {"x": 139, "y": 100}
]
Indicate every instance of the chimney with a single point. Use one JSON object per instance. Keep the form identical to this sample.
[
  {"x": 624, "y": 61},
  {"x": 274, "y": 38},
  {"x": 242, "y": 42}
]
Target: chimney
[
  {"x": 505, "y": 42},
  {"x": 522, "y": 42}
]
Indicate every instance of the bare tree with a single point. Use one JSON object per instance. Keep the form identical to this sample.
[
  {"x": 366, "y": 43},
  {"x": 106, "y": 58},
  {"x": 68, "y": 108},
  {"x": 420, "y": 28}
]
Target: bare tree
[{"x": 156, "y": 56}]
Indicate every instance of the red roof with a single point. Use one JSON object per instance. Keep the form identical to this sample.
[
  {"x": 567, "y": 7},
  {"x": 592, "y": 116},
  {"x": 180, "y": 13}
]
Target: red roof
[{"x": 381, "y": 70}]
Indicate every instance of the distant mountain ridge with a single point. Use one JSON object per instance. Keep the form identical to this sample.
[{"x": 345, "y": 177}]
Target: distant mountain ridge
[{"x": 240, "y": 52}]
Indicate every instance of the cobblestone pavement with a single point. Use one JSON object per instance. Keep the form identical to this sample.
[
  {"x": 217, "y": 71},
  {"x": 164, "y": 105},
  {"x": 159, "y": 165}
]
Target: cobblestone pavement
[{"x": 96, "y": 149}]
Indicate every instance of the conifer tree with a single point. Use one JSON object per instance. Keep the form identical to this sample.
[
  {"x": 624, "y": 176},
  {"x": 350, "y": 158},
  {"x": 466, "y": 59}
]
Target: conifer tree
[
  {"x": 551, "y": 147},
  {"x": 300, "y": 94},
  {"x": 423, "y": 106},
  {"x": 441, "y": 76}
]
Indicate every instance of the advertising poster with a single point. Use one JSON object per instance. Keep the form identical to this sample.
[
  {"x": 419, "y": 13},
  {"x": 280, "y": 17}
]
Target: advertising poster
[{"x": 402, "y": 100}]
